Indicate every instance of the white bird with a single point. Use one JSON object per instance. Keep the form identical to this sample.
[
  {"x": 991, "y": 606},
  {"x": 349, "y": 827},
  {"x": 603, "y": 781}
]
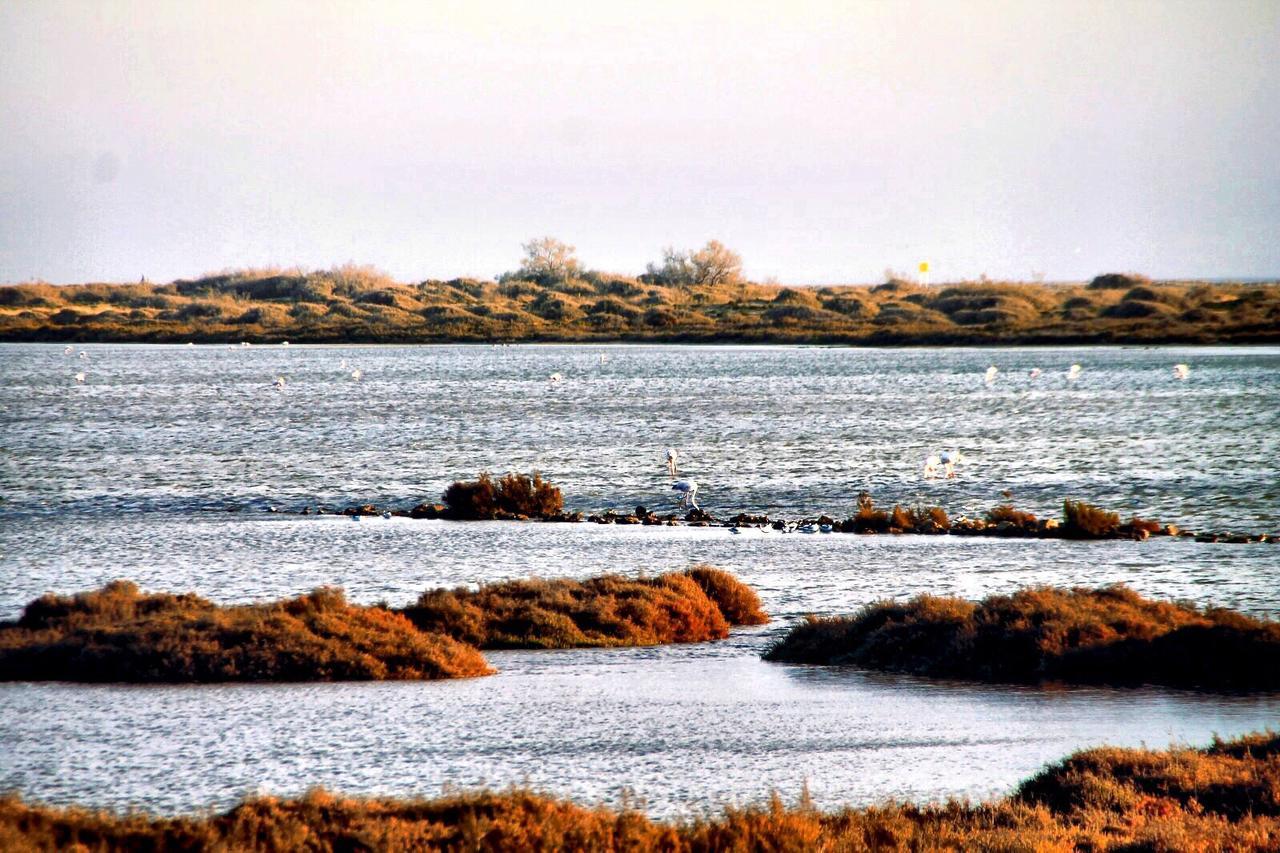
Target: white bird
[
  {"x": 1035, "y": 371},
  {"x": 356, "y": 374},
  {"x": 671, "y": 461},
  {"x": 284, "y": 343},
  {"x": 991, "y": 374},
  {"x": 603, "y": 358},
  {"x": 1073, "y": 372},
  {"x": 946, "y": 460},
  {"x": 1181, "y": 371},
  {"x": 931, "y": 464},
  {"x": 342, "y": 365},
  {"x": 949, "y": 459},
  {"x": 688, "y": 490},
  {"x": 555, "y": 377},
  {"x": 191, "y": 343},
  {"x": 79, "y": 377},
  {"x": 68, "y": 350},
  {"x": 84, "y": 354},
  {"x": 279, "y": 383},
  {"x": 244, "y": 343}
]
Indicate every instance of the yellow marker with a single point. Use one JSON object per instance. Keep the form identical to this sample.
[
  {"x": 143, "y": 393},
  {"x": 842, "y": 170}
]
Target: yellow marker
[{"x": 924, "y": 266}]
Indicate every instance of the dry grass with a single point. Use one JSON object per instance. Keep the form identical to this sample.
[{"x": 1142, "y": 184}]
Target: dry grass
[
  {"x": 362, "y": 304},
  {"x": 1108, "y": 636},
  {"x": 513, "y": 496},
  {"x": 119, "y": 634},
  {"x": 1225, "y": 797},
  {"x": 678, "y": 607}
]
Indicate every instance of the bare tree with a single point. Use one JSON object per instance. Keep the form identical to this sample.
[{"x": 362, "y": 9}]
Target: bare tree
[
  {"x": 714, "y": 263},
  {"x": 548, "y": 261}
]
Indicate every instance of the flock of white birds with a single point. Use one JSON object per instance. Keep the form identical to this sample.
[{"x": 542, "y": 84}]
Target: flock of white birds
[{"x": 942, "y": 463}]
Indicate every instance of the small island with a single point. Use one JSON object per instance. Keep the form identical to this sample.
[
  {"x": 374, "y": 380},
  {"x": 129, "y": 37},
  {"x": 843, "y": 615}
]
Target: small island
[
  {"x": 1110, "y": 635},
  {"x": 119, "y": 634}
]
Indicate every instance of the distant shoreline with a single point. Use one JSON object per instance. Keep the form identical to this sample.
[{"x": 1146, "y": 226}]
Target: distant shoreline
[{"x": 362, "y": 307}]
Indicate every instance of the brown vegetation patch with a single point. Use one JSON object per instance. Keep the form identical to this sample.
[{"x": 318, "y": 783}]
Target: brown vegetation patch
[
  {"x": 1221, "y": 798},
  {"x": 350, "y": 304},
  {"x": 119, "y": 634},
  {"x": 1108, "y": 636},
  {"x": 513, "y": 496},
  {"x": 678, "y": 607}
]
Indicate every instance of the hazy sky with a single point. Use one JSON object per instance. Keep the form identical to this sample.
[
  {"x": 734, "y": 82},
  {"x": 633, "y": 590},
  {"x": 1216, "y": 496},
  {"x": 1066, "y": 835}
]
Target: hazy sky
[{"x": 824, "y": 141}]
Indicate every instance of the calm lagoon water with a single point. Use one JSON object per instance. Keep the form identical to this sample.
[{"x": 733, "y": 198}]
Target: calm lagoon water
[{"x": 132, "y": 474}]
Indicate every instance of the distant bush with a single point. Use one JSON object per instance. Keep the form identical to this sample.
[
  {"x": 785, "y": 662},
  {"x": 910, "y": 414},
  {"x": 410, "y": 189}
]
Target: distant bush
[
  {"x": 1118, "y": 281},
  {"x": 513, "y": 495},
  {"x": 660, "y": 318},
  {"x": 1005, "y": 513},
  {"x": 1131, "y": 309},
  {"x": 1085, "y": 521},
  {"x": 617, "y": 307},
  {"x": 713, "y": 264},
  {"x": 1106, "y": 636},
  {"x": 118, "y": 634},
  {"x": 601, "y": 611}
]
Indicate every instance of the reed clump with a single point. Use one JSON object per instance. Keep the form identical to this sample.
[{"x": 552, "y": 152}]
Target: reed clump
[
  {"x": 677, "y": 607},
  {"x": 512, "y": 496},
  {"x": 1110, "y": 635},
  {"x": 1224, "y": 797},
  {"x": 1085, "y": 521},
  {"x": 118, "y": 634}
]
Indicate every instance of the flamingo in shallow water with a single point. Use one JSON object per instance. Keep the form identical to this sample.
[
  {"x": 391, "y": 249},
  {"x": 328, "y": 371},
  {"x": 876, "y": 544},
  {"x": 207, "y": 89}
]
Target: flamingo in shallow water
[{"x": 688, "y": 490}]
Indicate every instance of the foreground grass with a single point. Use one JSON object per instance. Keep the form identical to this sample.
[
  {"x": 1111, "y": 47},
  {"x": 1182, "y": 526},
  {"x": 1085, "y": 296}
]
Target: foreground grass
[
  {"x": 355, "y": 304},
  {"x": 1094, "y": 636},
  {"x": 118, "y": 634},
  {"x": 679, "y": 607},
  {"x": 1225, "y": 797}
]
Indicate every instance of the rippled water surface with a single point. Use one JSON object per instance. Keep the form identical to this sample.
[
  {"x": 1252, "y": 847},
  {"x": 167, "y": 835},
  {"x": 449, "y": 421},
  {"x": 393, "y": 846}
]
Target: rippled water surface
[{"x": 132, "y": 474}]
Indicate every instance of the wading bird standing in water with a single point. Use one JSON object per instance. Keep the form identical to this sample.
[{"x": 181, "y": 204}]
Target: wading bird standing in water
[
  {"x": 946, "y": 460},
  {"x": 1073, "y": 373},
  {"x": 1181, "y": 371},
  {"x": 688, "y": 490},
  {"x": 278, "y": 384},
  {"x": 1035, "y": 371}
]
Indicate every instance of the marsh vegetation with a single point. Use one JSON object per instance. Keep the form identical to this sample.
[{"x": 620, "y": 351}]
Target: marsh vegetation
[
  {"x": 690, "y": 296},
  {"x": 1110, "y": 635},
  {"x": 1223, "y": 797},
  {"x": 119, "y": 634}
]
